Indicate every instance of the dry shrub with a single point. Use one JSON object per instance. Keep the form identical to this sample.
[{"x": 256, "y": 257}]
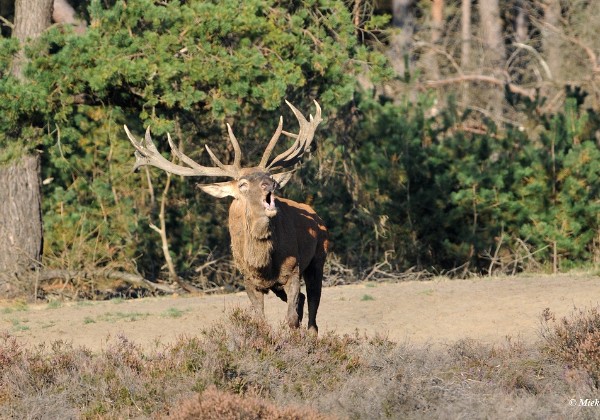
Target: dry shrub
[
  {"x": 35, "y": 383},
  {"x": 247, "y": 354},
  {"x": 59, "y": 381},
  {"x": 512, "y": 366},
  {"x": 468, "y": 379},
  {"x": 575, "y": 341},
  {"x": 10, "y": 350},
  {"x": 213, "y": 404},
  {"x": 243, "y": 368}
]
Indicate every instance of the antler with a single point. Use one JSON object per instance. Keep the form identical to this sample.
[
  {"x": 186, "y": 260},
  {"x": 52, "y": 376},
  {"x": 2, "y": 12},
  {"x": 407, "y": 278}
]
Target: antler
[
  {"x": 301, "y": 145},
  {"x": 147, "y": 154}
]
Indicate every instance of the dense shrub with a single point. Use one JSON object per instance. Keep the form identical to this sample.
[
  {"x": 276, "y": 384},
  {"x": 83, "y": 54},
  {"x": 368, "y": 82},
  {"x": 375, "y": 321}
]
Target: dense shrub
[
  {"x": 443, "y": 197},
  {"x": 183, "y": 67}
]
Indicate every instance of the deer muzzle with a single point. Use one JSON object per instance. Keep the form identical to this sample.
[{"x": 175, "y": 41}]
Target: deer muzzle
[{"x": 269, "y": 204}]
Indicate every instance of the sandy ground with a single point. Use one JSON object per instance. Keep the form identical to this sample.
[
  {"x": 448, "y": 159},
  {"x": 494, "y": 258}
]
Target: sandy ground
[{"x": 438, "y": 312}]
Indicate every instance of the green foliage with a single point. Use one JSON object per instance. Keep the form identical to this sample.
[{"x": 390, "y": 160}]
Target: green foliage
[
  {"x": 204, "y": 61},
  {"x": 183, "y": 67},
  {"x": 441, "y": 197},
  {"x": 393, "y": 183}
]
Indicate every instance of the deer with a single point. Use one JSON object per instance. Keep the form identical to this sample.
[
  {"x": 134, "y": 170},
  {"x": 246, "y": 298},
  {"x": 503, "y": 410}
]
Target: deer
[{"x": 275, "y": 242}]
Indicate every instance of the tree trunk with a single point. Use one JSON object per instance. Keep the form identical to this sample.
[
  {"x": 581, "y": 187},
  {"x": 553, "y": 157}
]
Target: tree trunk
[
  {"x": 21, "y": 217},
  {"x": 494, "y": 52},
  {"x": 437, "y": 25},
  {"x": 465, "y": 50},
  {"x": 551, "y": 39},
  {"x": 32, "y": 17},
  {"x": 491, "y": 30},
  {"x": 400, "y": 43},
  {"x": 20, "y": 196},
  {"x": 521, "y": 22},
  {"x": 437, "y": 20}
]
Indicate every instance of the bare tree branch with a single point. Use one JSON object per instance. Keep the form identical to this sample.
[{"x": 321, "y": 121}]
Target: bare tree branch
[
  {"x": 7, "y": 22},
  {"x": 537, "y": 55},
  {"x": 529, "y": 93},
  {"x": 593, "y": 58}
]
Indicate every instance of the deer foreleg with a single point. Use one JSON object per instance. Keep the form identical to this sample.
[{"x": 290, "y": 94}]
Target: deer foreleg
[{"x": 257, "y": 298}]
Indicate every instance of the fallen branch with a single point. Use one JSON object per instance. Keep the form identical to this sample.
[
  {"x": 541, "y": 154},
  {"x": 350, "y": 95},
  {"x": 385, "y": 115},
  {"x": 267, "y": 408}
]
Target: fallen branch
[
  {"x": 337, "y": 273},
  {"x": 68, "y": 275},
  {"x": 207, "y": 264},
  {"x": 383, "y": 271}
]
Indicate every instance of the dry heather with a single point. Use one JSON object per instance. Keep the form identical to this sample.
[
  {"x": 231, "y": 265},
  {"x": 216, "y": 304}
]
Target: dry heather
[
  {"x": 213, "y": 404},
  {"x": 575, "y": 340},
  {"x": 245, "y": 369}
]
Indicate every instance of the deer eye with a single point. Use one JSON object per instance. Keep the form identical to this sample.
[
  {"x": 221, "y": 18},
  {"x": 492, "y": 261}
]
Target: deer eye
[{"x": 243, "y": 185}]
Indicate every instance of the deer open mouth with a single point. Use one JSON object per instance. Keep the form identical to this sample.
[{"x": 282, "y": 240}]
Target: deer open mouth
[{"x": 269, "y": 204}]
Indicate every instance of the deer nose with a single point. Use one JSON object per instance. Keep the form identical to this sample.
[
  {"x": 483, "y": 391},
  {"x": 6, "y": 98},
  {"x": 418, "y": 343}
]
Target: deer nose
[{"x": 266, "y": 185}]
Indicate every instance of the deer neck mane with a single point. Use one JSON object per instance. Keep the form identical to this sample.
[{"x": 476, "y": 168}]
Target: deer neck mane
[{"x": 258, "y": 241}]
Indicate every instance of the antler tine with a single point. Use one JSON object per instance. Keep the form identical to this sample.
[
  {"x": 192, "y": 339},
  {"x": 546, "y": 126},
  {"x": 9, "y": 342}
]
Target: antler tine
[
  {"x": 147, "y": 154},
  {"x": 271, "y": 145},
  {"x": 139, "y": 146},
  {"x": 294, "y": 148},
  {"x": 215, "y": 159},
  {"x": 303, "y": 140},
  {"x": 182, "y": 157},
  {"x": 237, "y": 152},
  {"x": 298, "y": 138}
]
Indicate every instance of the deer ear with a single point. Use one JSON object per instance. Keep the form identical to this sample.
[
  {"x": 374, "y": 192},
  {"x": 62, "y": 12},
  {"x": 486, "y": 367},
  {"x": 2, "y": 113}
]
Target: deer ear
[
  {"x": 218, "y": 189},
  {"x": 282, "y": 178}
]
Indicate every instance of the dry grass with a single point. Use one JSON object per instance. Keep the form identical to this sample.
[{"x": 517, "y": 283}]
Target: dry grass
[{"x": 245, "y": 369}]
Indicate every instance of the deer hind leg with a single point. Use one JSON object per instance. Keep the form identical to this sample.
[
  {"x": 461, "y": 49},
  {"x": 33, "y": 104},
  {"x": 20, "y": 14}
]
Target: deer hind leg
[
  {"x": 313, "y": 277},
  {"x": 295, "y": 301},
  {"x": 280, "y": 293}
]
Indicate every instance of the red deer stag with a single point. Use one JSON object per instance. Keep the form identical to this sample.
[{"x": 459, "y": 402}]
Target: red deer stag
[{"x": 274, "y": 241}]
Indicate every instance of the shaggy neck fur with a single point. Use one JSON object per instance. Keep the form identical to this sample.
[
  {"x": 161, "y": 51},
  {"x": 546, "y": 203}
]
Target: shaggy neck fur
[{"x": 258, "y": 240}]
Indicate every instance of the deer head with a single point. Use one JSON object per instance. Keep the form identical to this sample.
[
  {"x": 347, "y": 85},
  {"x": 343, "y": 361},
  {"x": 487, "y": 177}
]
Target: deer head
[{"x": 254, "y": 185}]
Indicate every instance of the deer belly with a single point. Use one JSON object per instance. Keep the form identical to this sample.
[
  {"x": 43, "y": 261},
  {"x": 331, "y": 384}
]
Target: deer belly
[
  {"x": 267, "y": 281},
  {"x": 263, "y": 284}
]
